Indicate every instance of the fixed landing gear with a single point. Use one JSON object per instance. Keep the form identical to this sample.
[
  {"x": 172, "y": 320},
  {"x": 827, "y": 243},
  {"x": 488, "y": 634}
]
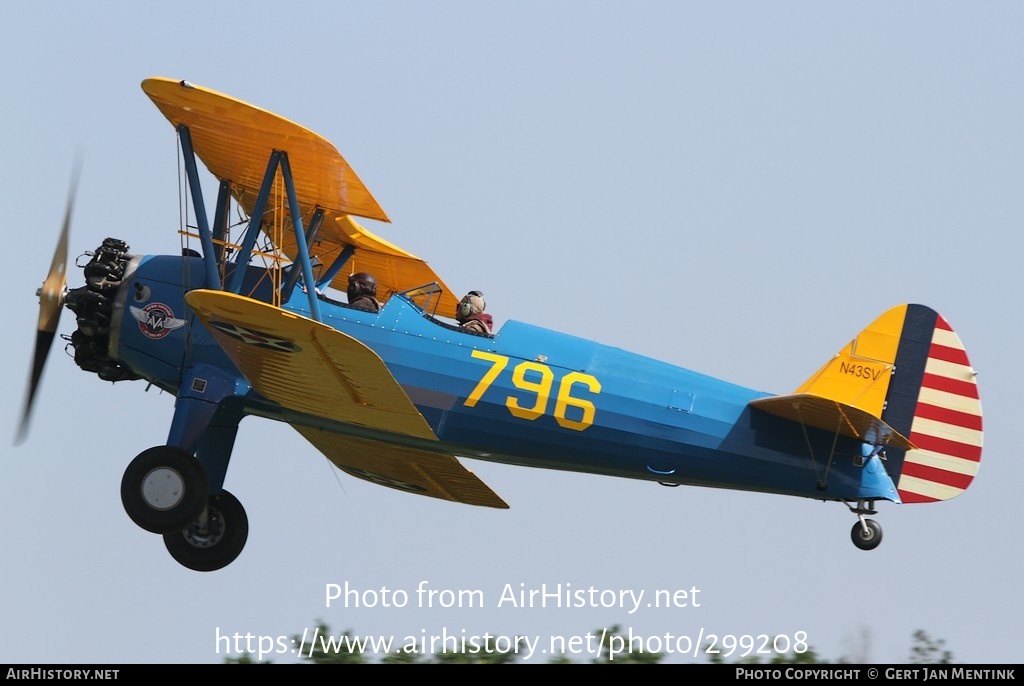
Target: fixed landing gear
[
  {"x": 866, "y": 533},
  {"x": 164, "y": 489},
  {"x": 215, "y": 539}
]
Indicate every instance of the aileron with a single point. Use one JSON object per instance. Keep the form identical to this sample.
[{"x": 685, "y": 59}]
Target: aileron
[{"x": 413, "y": 470}]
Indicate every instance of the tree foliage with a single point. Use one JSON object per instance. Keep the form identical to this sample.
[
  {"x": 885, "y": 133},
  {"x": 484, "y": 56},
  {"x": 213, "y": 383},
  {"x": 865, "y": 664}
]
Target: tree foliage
[
  {"x": 346, "y": 648},
  {"x": 928, "y": 651},
  {"x": 808, "y": 657},
  {"x": 338, "y": 652}
]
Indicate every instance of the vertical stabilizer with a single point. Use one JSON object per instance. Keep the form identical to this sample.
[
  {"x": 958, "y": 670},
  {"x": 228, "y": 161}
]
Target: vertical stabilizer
[{"x": 903, "y": 384}]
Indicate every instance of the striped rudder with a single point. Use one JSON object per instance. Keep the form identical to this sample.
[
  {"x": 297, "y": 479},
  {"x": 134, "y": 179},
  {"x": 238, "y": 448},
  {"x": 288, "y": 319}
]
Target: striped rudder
[{"x": 933, "y": 400}]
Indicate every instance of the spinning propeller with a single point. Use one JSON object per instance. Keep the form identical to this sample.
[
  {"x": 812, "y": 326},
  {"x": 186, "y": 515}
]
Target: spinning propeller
[{"x": 51, "y": 301}]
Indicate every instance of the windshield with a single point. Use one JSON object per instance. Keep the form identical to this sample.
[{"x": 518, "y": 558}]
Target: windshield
[{"x": 426, "y": 297}]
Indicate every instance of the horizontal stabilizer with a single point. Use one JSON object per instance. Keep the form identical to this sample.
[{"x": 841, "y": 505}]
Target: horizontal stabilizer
[{"x": 834, "y": 416}]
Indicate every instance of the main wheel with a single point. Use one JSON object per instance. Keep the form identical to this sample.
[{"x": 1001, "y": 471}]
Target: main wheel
[
  {"x": 869, "y": 539},
  {"x": 215, "y": 539},
  {"x": 164, "y": 489}
]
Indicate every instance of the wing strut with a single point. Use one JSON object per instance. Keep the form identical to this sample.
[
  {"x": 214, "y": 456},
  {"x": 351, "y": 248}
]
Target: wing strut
[
  {"x": 220, "y": 220},
  {"x": 255, "y": 224},
  {"x": 822, "y": 479},
  {"x": 293, "y": 276},
  {"x": 278, "y": 159},
  {"x": 205, "y": 235},
  {"x": 211, "y": 253},
  {"x": 300, "y": 239},
  {"x": 343, "y": 257}
]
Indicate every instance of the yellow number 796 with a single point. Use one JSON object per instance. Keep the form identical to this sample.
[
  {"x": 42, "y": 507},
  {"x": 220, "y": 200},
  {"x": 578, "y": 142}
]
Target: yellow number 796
[{"x": 537, "y": 378}]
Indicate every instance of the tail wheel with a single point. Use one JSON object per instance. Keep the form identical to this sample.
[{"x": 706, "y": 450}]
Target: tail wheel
[
  {"x": 866, "y": 535},
  {"x": 215, "y": 539},
  {"x": 164, "y": 489}
]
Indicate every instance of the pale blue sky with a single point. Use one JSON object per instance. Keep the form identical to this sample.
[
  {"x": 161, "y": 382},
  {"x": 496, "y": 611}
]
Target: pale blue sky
[{"x": 737, "y": 188}]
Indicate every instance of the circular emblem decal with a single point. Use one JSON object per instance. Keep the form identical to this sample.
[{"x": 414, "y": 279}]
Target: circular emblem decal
[{"x": 156, "y": 320}]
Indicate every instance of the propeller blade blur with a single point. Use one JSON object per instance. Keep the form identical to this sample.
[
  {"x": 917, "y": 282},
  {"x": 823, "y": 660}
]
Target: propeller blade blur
[{"x": 51, "y": 301}]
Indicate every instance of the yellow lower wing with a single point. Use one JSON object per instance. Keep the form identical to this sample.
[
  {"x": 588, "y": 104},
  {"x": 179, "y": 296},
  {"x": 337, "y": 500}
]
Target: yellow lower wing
[
  {"x": 402, "y": 467},
  {"x": 309, "y": 367}
]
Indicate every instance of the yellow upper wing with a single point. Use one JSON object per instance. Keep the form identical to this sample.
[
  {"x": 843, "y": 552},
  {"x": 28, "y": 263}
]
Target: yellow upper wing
[
  {"x": 235, "y": 140},
  {"x": 309, "y": 367}
]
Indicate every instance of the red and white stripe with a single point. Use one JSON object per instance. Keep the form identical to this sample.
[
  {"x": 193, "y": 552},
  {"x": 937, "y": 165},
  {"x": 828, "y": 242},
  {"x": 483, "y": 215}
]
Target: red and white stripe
[{"x": 947, "y": 424}]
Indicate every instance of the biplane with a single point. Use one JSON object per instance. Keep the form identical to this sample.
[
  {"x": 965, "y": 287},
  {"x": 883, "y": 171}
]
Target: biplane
[{"x": 245, "y": 322}]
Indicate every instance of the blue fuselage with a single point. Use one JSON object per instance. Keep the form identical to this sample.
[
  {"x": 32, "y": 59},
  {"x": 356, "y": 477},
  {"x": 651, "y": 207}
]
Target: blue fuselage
[{"x": 526, "y": 396}]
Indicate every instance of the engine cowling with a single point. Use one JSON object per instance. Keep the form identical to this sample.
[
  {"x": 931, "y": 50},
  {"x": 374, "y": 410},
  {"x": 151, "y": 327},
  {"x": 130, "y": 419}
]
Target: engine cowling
[{"x": 93, "y": 306}]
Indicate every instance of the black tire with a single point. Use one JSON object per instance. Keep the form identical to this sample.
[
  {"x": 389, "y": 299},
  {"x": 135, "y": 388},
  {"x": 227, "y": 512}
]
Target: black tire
[
  {"x": 164, "y": 489},
  {"x": 215, "y": 541},
  {"x": 867, "y": 540}
]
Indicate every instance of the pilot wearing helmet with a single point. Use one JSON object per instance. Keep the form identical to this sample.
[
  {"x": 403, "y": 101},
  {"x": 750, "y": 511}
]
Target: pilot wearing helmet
[
  {"x": 362, "y": 292},
  {"x": 470, "y": 313}
]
